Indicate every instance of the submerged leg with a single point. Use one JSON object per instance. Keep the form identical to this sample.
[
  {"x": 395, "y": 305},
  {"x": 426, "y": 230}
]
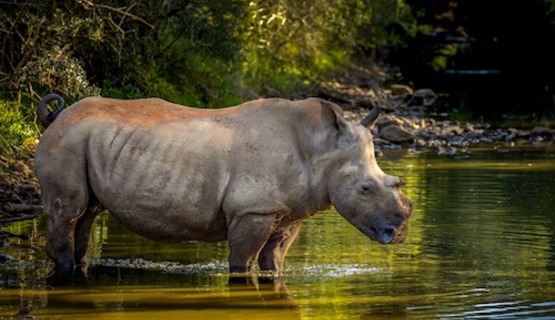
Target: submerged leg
[
  {"x": 82, "y": 236},
  {"x": 272, "y": 256},
  {"x": 247, "y": 235},
  {"x": 60, "y": 242}
]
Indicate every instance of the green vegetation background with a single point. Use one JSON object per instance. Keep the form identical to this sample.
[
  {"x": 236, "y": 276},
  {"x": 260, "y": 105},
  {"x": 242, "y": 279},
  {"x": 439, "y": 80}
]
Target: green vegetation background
[{"x": 200, "y": 53}]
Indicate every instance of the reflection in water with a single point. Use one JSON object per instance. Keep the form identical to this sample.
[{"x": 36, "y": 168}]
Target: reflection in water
[
  {"x": 481, "y": 245},
  {"x": 165, "y": 302}
]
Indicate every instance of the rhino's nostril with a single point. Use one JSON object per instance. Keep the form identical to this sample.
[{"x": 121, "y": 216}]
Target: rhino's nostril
[
  {"x": 390, "y": 231},
  {"x": 387, "y": 235}
]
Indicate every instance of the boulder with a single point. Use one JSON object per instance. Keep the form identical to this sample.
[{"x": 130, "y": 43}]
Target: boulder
[
  {"x": 542, "y": 131},
  {"x": 394, "y": 133}
]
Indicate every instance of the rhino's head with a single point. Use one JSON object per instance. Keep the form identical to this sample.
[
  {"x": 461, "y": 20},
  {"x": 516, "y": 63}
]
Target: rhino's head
[{"x": 360, "y": 191}]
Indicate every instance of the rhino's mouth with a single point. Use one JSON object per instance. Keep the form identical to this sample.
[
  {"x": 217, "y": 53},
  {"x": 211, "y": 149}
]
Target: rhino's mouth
[{"x": 387, "y": 234}]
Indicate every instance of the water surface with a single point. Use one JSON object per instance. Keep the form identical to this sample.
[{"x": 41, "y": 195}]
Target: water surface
[{"x": 481, "y": 245}]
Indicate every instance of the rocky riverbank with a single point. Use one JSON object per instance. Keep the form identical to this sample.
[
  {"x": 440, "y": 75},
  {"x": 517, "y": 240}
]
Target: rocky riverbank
[
  {"x": 404, "y": 125},
  {"x": 408, "y": 130}
]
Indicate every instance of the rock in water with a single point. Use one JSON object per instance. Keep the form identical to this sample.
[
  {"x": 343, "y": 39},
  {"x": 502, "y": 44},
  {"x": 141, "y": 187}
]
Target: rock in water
[{"x": 394, "y": 133}]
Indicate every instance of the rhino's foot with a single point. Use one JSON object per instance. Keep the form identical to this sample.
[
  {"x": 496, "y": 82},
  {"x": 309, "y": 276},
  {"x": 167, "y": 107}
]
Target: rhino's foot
[
  {"x": 64, "y": 275},
  {"x": 263, "y": 278},
  {"x": 238, "y": 270},
  {"x": 267, "y": 278},
  {"x": 241, "y": 278},
  {"x": 64, "y": 267}
]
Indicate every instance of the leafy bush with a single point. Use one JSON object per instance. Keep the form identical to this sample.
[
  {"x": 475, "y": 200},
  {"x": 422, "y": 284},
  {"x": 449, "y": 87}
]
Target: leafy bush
[
  {"x": 291, "y": 43},
  {"x": 200, "y": 53},
  {"x": 58, "y": 71},
  {"x": 18, "y": 133}
]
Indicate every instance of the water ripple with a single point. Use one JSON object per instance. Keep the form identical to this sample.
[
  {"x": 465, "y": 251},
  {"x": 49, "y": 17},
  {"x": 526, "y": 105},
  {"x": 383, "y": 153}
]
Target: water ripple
[
  {"x": 165, "y": 266},
  {"x": 508, "y": 310}
]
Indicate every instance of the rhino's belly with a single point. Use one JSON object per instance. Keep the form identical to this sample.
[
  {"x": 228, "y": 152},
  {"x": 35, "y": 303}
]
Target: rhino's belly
[
  {"x": 171, "y": 226},
  {"x": 164, "y": 188},
  {"x": 186, "y": 211}
]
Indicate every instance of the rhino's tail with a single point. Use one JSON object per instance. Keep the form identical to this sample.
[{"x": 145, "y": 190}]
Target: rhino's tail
[{"x": 46, "y": 116}]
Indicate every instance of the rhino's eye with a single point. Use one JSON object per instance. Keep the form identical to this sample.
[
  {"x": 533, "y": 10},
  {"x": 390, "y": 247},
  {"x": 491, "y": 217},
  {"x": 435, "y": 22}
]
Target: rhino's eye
[{"x": 367, "y": 187}]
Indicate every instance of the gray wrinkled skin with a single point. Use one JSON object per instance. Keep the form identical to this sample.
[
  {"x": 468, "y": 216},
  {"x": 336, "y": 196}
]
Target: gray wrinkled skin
[{"x": 247, "y": 174}]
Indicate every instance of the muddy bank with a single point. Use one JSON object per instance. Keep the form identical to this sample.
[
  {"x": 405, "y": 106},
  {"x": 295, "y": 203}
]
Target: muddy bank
[{"x": 19, "y": 196}]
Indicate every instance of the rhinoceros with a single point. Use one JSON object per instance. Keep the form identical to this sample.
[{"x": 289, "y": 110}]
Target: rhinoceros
[{"x": 249, "y": 174}]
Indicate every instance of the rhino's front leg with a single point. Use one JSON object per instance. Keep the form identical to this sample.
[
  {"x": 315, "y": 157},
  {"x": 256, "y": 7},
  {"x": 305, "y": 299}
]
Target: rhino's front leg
[
  {"x": 247, "y": 234},
  {"x": 272, "y": 256}
]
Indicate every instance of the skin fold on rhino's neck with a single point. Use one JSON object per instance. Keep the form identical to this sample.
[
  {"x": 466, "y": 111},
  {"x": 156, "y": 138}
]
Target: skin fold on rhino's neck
[{"x": 324, "y": 166}]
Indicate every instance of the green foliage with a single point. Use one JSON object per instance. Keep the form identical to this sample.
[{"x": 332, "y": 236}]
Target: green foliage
[
  {"x": 551, "y": 5},
  {"x": 151, "y": 48},
  {"x": 199, "y": 53},
  {"x": 289, "y": 43},
  {"x": 385, "y": 23},
  {"x": 188, "y": 56},
  {"x": 39, "y": 50},
  {"x": 18, "y": 134},
  {"x": 441, "y": 59},
  {"x": 52, "y": 68}
]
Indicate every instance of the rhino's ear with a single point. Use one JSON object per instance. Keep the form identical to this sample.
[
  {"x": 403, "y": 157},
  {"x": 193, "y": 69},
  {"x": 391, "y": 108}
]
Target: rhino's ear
[{"x": 333, "y": 115}]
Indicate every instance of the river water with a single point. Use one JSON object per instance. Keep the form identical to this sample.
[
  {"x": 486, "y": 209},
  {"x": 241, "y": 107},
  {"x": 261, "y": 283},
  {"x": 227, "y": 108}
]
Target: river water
[{"x": 481, "y": 245}]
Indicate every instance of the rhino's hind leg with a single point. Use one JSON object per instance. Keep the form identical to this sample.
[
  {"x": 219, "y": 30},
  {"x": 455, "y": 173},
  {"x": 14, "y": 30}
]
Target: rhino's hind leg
[
  {"x": 60, "y": 241},
  {"x": 82, "y": 236},
  {"x": 272, "y": 256},
  {"x": 65, "y": 202}
]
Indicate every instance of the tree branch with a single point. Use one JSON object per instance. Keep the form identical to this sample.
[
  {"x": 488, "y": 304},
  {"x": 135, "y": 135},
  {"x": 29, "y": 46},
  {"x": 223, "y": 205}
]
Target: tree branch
[{"x": 89, "y": 4}]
